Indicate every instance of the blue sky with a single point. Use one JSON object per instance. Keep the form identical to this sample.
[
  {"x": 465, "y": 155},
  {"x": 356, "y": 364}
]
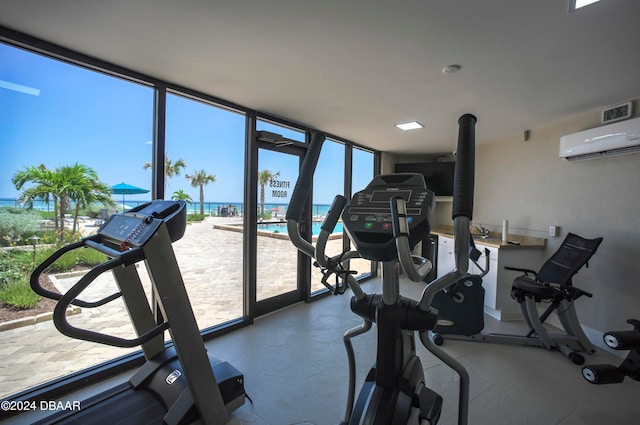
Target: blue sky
[{"x": 57, "y": 114}]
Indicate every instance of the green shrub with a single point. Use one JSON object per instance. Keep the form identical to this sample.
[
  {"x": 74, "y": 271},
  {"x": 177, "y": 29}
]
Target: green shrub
[
  {"x": 13, "y": 265},
  {"x": 15, "y": 269},
  {"x": 16, "y": 228},
  {"x": 65, "y": 263},
  {"x": 81, "y": 256},
  {"x": 43, "y": 253},
  {"x": 47, "y": 215},
  {"x": 19, "y": 294},
  {"x": 90, "y": 257},
  {"x": 195, "y": 217},
  {"x": 12, "y": 210},
  {"x": 22, "y": 259},
  {"x": 8, "y": 276}
]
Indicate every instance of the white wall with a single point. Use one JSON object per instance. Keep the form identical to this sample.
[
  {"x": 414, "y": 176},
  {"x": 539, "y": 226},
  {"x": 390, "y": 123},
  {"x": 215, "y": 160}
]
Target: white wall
[{"x": 528, "y": 184}]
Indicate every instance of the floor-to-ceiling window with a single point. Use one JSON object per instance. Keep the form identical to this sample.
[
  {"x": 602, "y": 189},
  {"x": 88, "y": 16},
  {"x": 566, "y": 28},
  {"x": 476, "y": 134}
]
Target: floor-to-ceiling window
[
  {"x": 276, "y": 257},
  {"x": 57, "y": 116},
  {"x": 328, "y": 181},
  {"x": 362, "y": 172},
  {"x": 62, "y": 128},
  {"x": 204, "y": 165}
]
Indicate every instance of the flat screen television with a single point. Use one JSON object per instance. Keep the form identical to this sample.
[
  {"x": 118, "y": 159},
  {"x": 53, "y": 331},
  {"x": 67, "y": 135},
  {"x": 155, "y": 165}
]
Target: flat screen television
[{"x": 437, "y": 175}]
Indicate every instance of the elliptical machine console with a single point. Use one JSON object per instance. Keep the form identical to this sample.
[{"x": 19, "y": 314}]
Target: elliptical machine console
[{"x": 368, "y": 217}]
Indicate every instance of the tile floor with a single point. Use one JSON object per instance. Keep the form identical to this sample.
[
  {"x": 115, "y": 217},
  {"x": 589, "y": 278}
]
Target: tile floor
[{"x": 296, "y": 373}]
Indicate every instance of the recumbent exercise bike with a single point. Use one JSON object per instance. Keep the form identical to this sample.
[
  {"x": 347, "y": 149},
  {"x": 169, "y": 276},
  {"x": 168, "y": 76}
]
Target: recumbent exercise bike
[{"x": 461, "y": 307}]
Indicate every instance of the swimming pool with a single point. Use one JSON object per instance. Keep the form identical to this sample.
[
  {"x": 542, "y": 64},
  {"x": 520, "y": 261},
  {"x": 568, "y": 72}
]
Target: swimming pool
[{"x": 282, "y": 228}]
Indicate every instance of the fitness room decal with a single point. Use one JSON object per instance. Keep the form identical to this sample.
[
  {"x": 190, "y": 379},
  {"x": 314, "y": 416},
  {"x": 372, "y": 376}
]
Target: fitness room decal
[{"x": 279, "y": 188}]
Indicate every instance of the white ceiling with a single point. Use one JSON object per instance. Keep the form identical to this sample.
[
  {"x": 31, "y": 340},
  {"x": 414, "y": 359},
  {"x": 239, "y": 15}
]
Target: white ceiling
[{"x": 355, "y": 68}]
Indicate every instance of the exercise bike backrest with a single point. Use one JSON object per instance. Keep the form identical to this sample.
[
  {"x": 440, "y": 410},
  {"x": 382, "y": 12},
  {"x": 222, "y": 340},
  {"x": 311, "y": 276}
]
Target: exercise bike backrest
[
  {"x": 403, "y": 230},
  {"x": 121, "y": 238}
]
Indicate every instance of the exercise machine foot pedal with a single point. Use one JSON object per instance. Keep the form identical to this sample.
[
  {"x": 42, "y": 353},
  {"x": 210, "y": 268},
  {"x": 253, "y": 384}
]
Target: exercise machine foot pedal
[
  {"x": 430, "y": 405},
  {"x": 603, "y": 374}
]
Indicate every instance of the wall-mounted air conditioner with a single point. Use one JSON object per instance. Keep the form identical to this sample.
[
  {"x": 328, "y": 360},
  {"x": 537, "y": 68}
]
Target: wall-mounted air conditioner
[{"x": 608, "y": 140}]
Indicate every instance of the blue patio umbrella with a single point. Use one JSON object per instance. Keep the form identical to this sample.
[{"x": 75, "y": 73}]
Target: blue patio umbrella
[{"x": 126, "y": 189}]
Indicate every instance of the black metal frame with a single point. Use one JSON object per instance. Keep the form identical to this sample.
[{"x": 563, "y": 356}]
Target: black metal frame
[
  {"x": 80, "y": 379},
  {"x": 303, "y": 265}
]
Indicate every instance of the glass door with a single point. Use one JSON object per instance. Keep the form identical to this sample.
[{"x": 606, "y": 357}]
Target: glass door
[{"x": 277, "y": 258}]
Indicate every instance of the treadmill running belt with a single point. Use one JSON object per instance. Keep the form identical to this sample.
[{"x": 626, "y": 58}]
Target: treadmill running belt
[{"x": 126, "y": 408}]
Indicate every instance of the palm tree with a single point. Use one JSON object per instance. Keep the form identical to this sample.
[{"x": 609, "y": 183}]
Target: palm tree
[
  {"x": 44, "y": 187},
  {"x": 170, "y": 169},
  {"x": 83, "y": 188},
  {"x": 264, "y": 177},
  {"x": 78, "y": 183},
  {"x": 181, "y": 195},
  {"x": 200, "y": 178}
]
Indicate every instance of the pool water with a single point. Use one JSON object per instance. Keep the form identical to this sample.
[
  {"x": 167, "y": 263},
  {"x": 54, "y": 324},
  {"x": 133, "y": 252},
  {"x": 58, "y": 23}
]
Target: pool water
[{"x": 282, "y": 228}]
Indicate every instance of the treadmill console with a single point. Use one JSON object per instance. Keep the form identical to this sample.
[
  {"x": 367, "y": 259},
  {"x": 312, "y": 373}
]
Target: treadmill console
[
  {"x": 136, "y": 226},
  {"x": 367, "y": 217}
]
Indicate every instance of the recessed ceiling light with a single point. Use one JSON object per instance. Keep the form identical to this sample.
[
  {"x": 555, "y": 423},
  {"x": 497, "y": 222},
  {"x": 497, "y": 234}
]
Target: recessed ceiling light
[
  {"x": 577, "y": 4},
  {"x": 409, "y": 125},
  {"x": 451, "y": 69}
]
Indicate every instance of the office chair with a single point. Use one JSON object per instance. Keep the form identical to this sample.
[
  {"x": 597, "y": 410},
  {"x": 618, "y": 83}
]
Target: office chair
[{"x": 552, "y": 284}]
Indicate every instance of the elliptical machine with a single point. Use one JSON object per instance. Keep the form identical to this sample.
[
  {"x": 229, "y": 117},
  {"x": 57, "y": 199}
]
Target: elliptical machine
[
  {"x": 177, "y": 385},
  {"x": 385, "y": 221}
]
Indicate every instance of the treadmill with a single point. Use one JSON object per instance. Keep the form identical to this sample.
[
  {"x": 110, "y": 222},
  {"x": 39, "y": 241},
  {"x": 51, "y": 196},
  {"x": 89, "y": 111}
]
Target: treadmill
[{"x": 179, "y": 383}]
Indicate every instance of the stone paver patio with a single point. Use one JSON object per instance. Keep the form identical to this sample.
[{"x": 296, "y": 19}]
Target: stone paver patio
[{"x": 211, "y": 264}]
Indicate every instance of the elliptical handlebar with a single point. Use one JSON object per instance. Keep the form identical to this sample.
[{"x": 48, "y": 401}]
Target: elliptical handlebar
[
  {"x": 417, "y": 268},
  {"x": 294, "y": 212},
  {"x": 301, "y": 194},
  {"x": 463, "y": 180},
  {"x": 462, "y": 210},
  {"x": 305, "y": 178}
]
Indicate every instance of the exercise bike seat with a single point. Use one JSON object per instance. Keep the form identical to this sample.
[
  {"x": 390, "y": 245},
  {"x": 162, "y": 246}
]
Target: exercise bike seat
[
  {"x": 553, "y": 280},
  {"x": 541, "y": 291}
]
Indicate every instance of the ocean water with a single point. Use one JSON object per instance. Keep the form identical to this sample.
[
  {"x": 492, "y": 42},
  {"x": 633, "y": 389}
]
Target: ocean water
[
  {"x": 37, "y": 205},
  {"x": 210, "y": 208}
]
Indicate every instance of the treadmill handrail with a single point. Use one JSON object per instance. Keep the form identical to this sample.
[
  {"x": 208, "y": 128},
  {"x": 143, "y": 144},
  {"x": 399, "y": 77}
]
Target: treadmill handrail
[
  {"x": 63, "y": 325},
  {"x": 90, "y": 241},
  {"x": 125, "y": 258}
]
